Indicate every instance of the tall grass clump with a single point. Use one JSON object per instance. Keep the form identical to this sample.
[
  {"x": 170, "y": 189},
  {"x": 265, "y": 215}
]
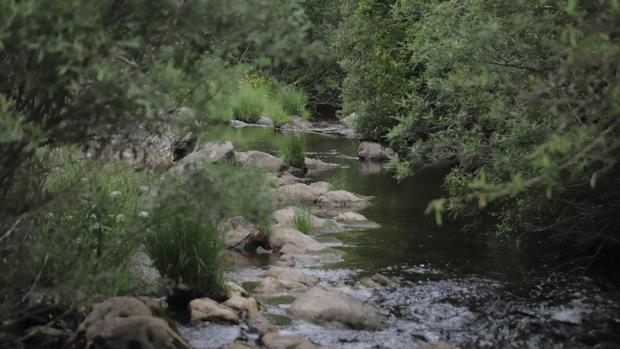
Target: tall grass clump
[
  {"x": 185, "y": 237},
  {"x": 293, "y": 101},
  {"x": 277, "y": 114},
  {"x": 294, "y": 150},
  {"x": 81, "y": 232},
  {"x": 302, "y": 219},
  {"x": 249, "y": 103}
]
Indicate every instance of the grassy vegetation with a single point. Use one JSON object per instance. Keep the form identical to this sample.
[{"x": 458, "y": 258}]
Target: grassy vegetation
[
  {"x": 303, "y": 220},
  {"x": 85, "y": 230},
  {"x": 293, "y": 101},
  {"x": 294, "y": 150},
  {"x": 277, "y": 115},
  {"x": 184, "y": 239},
  {"x": 249, "y": 103}
]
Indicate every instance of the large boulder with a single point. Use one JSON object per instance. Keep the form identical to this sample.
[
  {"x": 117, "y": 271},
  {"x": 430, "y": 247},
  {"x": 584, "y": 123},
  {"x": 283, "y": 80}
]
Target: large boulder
[
  {"x": 258, "y": 159},
  {"x": 205, "y": 309},
  {"x": 329, "y": 306},
  {"x": 299, "y": 192},
  {"x": 342, "y": 199},
  {"x": 125, "y": 322},
  {"x": 241, "y": 234},
  {"x": 211, "y": 152},
  {"x": 264, "y": 121},
  {"x": 318, "y": 165},
  {"x": 374, "y": 152},
  {"x": 280, "y": 237}
]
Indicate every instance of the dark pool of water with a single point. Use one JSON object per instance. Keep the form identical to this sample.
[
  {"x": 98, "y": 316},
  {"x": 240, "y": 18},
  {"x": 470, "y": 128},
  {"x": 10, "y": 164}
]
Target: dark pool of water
[{"x": 471, "y": 289}]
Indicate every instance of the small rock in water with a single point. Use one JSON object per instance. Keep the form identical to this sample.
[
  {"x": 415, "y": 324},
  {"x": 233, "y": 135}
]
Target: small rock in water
[
  {"x": 275, "y": 340},
  {"x": 329, "y": 306},
  {"x": 207, "y": 309}
]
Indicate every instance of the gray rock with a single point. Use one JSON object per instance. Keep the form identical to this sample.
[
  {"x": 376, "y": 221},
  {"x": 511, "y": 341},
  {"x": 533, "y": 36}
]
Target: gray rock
[
  {"x": 202, "y": 309},
  {"x": 238, "y": 123},
  {"x": 264, "y": 121},
  {"x": 258, "y": 159},
  {"x": 280, "y": 237},
  {"x": 374, "y": 152},
  {"x": 241, "y": 234},
  {"x": 275, "y": 340},
  {"x": 320, "y": 305},
  {"x": 125, "y": 322},
  {"x": 286, "y": 218}
]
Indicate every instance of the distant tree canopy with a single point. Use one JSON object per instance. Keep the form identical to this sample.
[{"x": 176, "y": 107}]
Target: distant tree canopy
[
  {"x": 523, "y": 95},
  {"x": 75, "y": 70}
]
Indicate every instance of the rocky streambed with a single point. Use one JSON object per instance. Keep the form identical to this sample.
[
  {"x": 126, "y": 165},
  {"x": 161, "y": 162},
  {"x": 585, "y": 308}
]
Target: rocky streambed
[
  {"x": 372, "y": 270},
  {"x": 375, "y": 272}
]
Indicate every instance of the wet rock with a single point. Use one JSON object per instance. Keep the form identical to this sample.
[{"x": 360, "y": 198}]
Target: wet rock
[
  {"x": 374, "y": 152},
  {"x": 258, "y": 322},
  {"x": 307, "y": 260},
  {"x": 144, "y": 332},
  {"x": 240, "y": 345},
  {"x": 202, "y": 309},
  {"x": 279, "y": 279},
  {"x": 297, "y": 171},
  {"x": 299, "y": 192},
  {"x": 286, "y": 218},
  {"x": 238, "y": 124},
  {"x": 342, "y": 199},
  {"x": 279, "y": 237},
  {"x": 318, "y": 165},
  {"x": 275, "y": 340},
  {"x": 329, "y": 306},
  {"x": 241, "y": 303},
  {"x": 241, "y": 234},
  {"x": 284, "y": 179},
  {"x": 439, "y": 345},
  {"x": 212, "y": 152},
  {"x": 258, "y": 159},
  {"x": 233, "y": 289},
  {"x": 264, "y": 121},
  {"x": 350, "y": 217},
  {"x": 125, "y": 322}
]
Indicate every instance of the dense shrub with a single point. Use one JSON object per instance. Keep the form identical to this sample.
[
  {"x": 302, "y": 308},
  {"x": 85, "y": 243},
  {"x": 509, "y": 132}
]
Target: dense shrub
[
  {"x": 522, "y": 95},
  {"x": 184, "y": 232},
  {"x": 293, "y": 101},
  {"x": 249, "y": 103},
  {"x": 81, "y": 240}
]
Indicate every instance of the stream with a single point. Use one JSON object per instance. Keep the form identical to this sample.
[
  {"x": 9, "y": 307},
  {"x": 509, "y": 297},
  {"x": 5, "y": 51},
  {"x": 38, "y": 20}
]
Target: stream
[{"x": 468, "y": 289}]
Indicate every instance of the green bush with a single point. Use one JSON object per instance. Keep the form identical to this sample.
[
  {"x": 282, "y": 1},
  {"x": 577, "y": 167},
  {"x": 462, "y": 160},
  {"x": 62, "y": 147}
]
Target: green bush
[
  {"x": 184, "y": 239},
  {"x": 294, "y": 150},
  {"x": 277, "y": 115},
  {"x": 81, "y": 241},
  {"x": 302, "y": 220},
  {"x": 293, "y": 101},
  {"x": 249, "y": 103}
]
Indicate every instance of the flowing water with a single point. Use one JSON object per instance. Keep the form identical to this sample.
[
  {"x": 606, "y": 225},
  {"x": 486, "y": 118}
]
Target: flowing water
[{"x": 465, "y": 288}]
